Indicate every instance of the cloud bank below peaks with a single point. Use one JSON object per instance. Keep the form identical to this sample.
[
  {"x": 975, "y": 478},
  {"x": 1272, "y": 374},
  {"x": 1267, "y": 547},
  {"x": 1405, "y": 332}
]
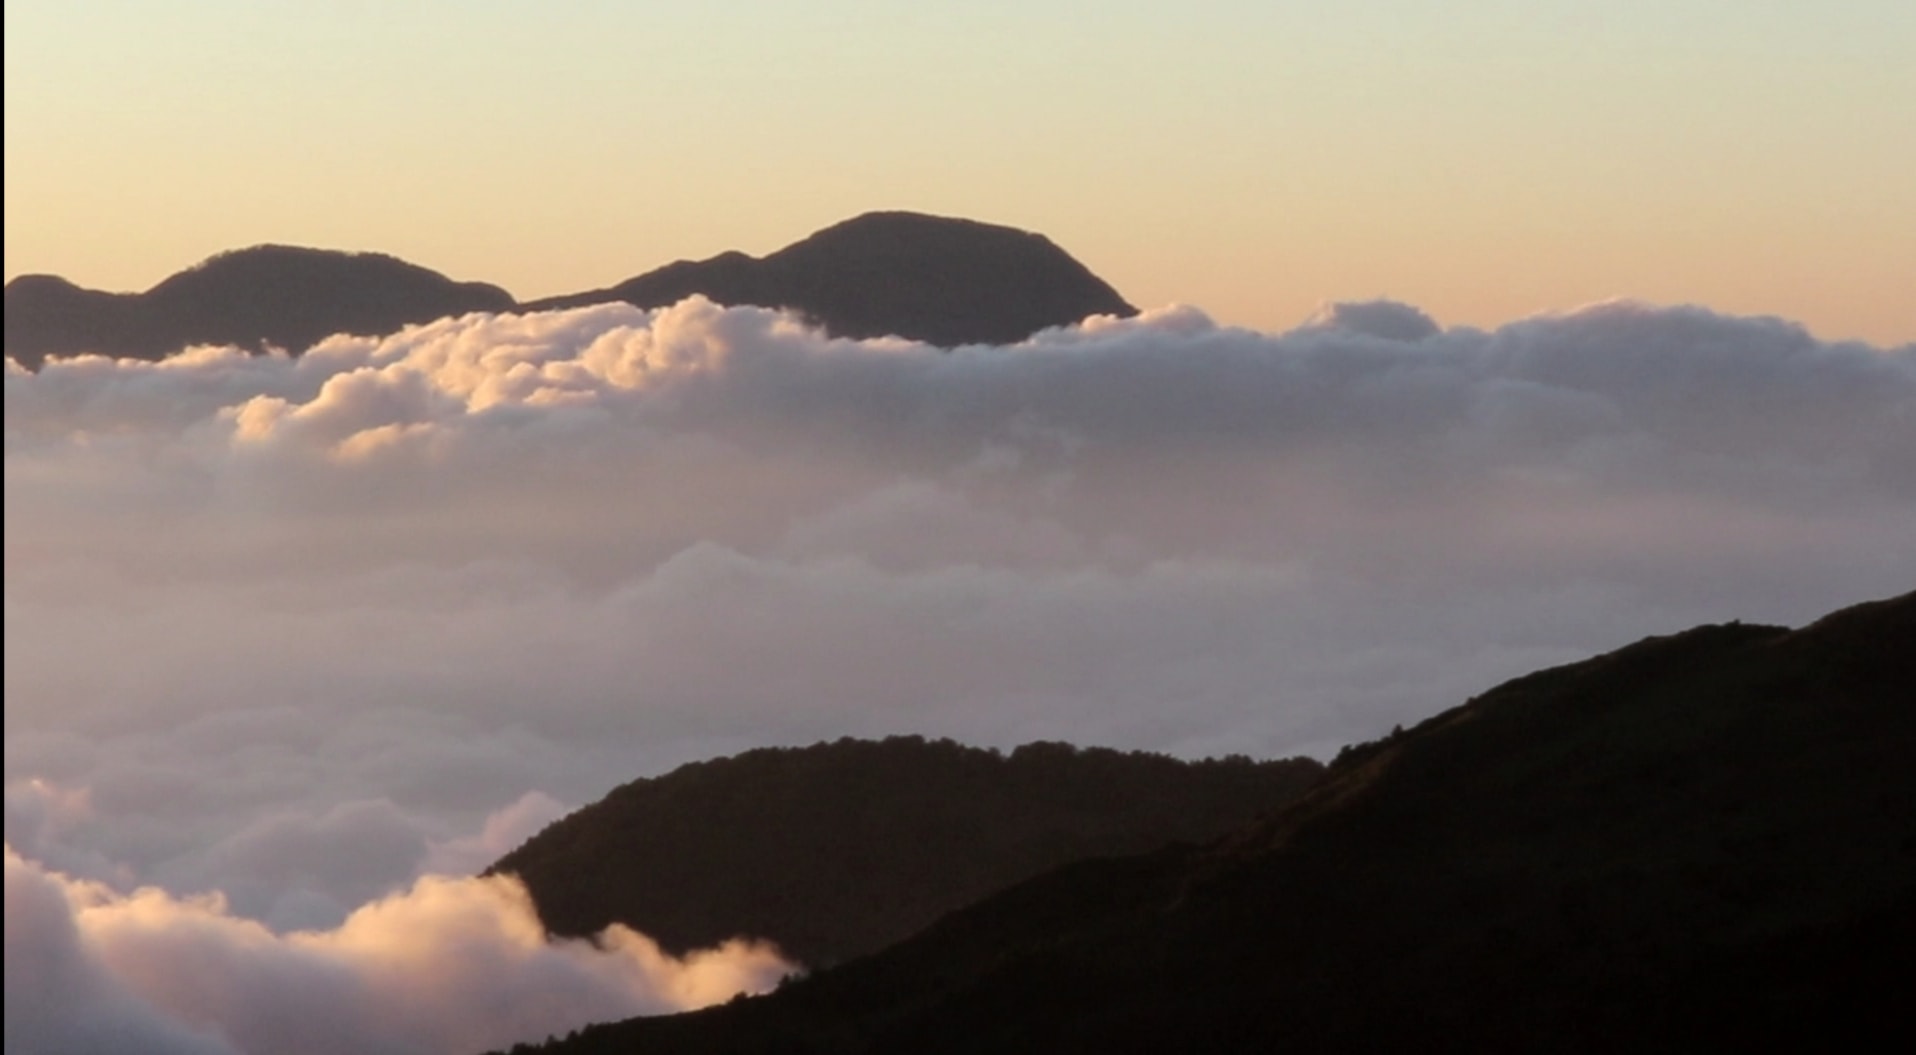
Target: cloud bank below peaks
[{"x": 262, "y": 609}]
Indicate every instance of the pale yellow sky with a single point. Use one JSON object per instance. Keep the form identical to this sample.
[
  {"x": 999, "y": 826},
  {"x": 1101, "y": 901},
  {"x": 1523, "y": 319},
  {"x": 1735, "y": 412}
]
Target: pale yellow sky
[{"x": 1483, "y": 160}]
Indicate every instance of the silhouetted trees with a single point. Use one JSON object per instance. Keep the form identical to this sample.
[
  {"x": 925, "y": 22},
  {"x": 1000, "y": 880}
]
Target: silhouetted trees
[{"x": 841, "y": 848}]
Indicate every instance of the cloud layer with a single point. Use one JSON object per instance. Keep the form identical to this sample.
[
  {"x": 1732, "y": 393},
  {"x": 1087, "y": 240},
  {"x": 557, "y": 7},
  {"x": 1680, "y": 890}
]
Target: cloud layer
[
  {"x": 302, "y": 630},
  {"x": 448, "y": 965}
]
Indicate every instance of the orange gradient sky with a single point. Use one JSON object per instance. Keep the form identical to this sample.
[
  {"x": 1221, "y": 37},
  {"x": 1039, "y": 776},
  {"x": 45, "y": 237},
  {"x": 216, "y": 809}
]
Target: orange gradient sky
[{"x": 1482, "y": 160}]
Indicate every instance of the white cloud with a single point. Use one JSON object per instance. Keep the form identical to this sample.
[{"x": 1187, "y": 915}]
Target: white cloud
[
  {"x": 504, "y": 831},
  {"x": 448, "y": 965},
  {"x": 1385, "y": 319},
  {"x": 262, "y": 609}
]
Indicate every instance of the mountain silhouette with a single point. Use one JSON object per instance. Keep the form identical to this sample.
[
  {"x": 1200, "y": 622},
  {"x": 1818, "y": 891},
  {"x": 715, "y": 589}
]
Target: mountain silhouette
[
  {"x": 842, "y": 848},
  {"x": 944, "y": 281},
  {"x": 1700, "y": 842},
  {"x": 269, "y": 295}
]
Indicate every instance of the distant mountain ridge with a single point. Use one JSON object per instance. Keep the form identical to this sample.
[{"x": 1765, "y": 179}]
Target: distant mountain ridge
[
  {"x": 943, "y": 281},
  {"x": 839, "y": 849},
  {"x": 283, "y": 296},
  {"x": 935, "y": 279},
  {"x": 1700, "y": 842}
]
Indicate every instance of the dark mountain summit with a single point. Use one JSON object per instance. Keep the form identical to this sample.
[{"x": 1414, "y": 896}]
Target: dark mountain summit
[
  {"x": 1701, "y": 842},
  {"x": 943, "y": 281},
  {"x": 275, "y": 295},
  {"x": 839, "y": 849}
]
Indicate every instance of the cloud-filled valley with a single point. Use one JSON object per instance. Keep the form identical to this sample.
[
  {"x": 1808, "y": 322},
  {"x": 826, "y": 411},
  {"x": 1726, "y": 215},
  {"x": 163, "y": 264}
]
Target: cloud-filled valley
[{"x": 302, "y": 630}]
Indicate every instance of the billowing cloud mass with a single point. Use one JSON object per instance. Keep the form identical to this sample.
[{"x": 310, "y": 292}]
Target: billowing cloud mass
[
  {"x": 449, "y": 965},
  {"x": 295, "y": 629}
]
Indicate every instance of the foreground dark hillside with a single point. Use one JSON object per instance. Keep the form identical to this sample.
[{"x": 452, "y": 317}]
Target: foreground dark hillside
[
  {"x": 934, "y": 279},
  {"x": 1705, "y": 841},
  {"x": 839, "y": 849}
]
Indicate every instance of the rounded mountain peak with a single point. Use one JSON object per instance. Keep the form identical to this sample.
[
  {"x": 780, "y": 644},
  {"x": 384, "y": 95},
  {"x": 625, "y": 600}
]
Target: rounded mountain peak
[
  {"x": 295, "y": 272},
  {"x": 936, "y": 279},
  {"x": 895, "y": 231}
]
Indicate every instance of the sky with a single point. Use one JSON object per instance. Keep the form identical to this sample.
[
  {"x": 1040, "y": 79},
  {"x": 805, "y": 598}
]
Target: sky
[
  {"x": 1482, "y": 160},
  {"x": 295, "y": 646}
]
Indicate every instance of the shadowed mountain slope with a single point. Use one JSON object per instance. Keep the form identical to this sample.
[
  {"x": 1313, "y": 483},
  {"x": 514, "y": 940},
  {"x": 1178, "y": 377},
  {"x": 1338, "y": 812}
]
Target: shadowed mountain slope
[
  {"x": 943, "y": 281},
  {"x": 1705, "y": 841},
  {"x": 839, "y": 849}
]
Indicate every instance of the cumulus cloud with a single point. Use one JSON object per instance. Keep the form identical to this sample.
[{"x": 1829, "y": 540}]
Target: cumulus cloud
[
  {"x": 449, "y": 965},
  {"x": 1385, "y": 319},
  {"x": 299, "y": 626},
  {"x": 60, "y": 997}
]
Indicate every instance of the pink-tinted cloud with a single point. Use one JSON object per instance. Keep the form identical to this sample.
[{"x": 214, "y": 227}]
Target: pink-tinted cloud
[
  {"x": 300, "y": 626},
  {"x": 449, "y": 965}
]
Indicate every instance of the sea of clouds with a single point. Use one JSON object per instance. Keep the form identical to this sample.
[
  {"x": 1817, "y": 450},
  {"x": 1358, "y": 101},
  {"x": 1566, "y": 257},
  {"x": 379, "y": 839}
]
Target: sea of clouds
[{"x": 289, "y": 639}]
